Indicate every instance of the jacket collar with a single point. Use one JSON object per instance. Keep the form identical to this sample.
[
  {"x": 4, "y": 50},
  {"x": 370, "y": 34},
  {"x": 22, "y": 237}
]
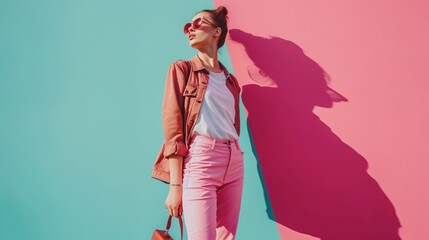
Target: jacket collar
[{"x": 197, "y": 65}]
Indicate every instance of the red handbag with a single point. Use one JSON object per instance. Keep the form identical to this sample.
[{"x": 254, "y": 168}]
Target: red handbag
[{"x": 163, "y": 234}]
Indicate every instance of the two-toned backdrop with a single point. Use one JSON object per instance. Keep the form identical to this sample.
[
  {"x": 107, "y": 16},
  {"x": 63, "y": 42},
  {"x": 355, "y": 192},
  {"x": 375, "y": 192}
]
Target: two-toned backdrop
[{"x": 334, "y": 116}]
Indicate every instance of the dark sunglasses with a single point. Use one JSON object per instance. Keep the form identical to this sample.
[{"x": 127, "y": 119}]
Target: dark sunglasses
[{"x": 197, "y": 23}]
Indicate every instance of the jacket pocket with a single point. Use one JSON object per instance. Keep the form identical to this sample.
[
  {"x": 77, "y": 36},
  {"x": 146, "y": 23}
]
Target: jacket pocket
[{"x": 190, "y": 90}]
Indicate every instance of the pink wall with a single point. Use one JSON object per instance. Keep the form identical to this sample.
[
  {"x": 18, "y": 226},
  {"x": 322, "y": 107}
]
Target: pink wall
[{"x": 356, "y": 168}]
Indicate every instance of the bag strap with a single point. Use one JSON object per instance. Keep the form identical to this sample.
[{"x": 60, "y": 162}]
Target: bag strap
[{"x": 181, "y": 225}]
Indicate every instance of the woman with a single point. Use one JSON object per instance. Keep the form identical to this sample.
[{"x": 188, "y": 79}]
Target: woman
[{"x": 201, "y": 157}]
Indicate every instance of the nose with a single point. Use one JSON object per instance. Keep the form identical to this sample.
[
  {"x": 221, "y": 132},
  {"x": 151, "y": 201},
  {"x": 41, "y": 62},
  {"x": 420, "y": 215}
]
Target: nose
[{"x": 191, "y": 28}]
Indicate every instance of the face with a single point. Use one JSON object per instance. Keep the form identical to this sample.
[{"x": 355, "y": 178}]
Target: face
[{"x": 204, "y": 34}]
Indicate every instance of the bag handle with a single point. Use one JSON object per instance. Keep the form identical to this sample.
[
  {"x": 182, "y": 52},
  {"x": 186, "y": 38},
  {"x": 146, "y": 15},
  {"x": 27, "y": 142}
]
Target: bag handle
[{"x": 180, "y": 222}]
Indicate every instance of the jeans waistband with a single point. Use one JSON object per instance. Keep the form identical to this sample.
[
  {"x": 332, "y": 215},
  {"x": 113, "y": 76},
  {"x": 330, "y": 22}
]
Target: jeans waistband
[{"x": 214, "y": 140}]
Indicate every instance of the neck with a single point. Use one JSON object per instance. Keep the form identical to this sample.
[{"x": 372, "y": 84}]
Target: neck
[{"x": 209, "y": 57}]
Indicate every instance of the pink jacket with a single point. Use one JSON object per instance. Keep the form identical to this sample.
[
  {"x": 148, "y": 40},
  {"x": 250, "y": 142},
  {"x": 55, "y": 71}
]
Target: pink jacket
[{"x": 181, "y": 105}]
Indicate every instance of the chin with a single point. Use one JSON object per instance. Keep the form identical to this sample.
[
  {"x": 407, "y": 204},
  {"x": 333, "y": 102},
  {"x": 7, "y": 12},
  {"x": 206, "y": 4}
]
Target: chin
[{"x": 195, "y": 45}]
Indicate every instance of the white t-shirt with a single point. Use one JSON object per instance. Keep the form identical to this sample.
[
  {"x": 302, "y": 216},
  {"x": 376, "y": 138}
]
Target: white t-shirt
[{"x": 217, "y": 114}]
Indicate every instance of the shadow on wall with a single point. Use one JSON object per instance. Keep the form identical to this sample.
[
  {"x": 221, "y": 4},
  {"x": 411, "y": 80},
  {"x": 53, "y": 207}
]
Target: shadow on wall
[{"x": 316, "y": 184}]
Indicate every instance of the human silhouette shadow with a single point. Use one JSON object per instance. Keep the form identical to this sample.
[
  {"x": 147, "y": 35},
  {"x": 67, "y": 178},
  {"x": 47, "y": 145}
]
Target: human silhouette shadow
[{"x": 314, "y": 182}]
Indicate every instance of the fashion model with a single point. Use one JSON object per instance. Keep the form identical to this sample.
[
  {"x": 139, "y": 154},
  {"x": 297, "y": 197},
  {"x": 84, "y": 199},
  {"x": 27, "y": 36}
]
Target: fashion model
[{"x": 201, "y": 157}]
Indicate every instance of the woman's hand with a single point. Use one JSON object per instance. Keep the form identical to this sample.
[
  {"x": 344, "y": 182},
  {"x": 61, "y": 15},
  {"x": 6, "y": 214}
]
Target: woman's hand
[{"x": 174, "y": 201}]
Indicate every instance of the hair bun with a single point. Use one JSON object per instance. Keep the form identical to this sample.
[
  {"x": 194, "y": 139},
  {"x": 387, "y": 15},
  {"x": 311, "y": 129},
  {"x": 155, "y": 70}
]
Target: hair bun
[{"x": 222, "y": 11}]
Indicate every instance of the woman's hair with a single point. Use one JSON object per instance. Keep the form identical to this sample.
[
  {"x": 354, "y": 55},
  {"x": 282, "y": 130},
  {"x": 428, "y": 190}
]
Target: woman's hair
[{"x": 219, "y": 16}]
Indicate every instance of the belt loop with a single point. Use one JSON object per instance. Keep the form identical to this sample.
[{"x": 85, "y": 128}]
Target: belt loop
[
  {"x": 213, "y": 143},
  {"x": 237, "y": 144}
]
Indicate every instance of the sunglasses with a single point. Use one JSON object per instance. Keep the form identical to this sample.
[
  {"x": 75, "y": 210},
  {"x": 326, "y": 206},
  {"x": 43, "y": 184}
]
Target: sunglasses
[{"x": 196, "y": 24}]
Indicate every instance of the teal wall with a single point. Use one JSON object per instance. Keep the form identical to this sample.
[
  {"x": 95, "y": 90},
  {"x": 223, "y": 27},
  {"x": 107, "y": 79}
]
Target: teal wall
[{"x": 81, "y": 86}]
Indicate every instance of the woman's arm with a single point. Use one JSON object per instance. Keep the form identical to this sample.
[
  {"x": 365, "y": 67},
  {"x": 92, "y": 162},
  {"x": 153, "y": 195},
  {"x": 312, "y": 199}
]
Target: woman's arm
[
  {"x": 172, "y": 121},
  {"x": 174, "y": 197},
  {"x": 175, "y": 162}
]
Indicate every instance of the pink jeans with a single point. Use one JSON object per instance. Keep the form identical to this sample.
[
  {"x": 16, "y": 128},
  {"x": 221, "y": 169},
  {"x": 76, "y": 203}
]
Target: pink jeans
[{"x": 212, "y": 188}]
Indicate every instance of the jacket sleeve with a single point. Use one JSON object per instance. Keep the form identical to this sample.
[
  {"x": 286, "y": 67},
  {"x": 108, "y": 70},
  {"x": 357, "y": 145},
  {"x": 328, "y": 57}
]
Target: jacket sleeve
[{"x": 172, "y": 111}]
